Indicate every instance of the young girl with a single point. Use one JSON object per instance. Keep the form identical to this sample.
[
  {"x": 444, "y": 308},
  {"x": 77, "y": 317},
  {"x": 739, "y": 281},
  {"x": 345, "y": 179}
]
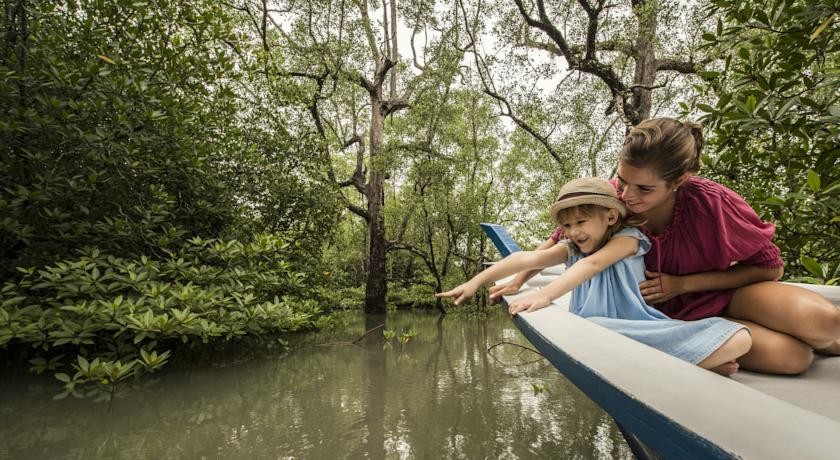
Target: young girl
[{"x": 604, "y": 260}]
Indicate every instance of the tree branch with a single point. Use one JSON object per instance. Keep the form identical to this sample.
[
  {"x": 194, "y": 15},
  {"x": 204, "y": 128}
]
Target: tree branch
[
  {"x": 357, "y": 180},
  {"x": 546, "y": 26},
  {"x": 374, "y": 50},
  {"x": 358, "y": 211},
  {"x": 413, "y": 51},
  {"x": 684, "y": 67},
  {"x": 508, "y": 112},
  {"x": 504, "y": 105},
  {"x": 396, "y": 246}
]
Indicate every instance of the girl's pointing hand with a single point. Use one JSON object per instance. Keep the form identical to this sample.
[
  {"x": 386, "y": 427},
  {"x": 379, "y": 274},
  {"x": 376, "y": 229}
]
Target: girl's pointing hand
[
  {"x": 529, "y": 303},
  {"x": 460, "y": 294}
]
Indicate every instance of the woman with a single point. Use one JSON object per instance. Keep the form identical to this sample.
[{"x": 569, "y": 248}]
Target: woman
[{"x": 711, "y": 254}]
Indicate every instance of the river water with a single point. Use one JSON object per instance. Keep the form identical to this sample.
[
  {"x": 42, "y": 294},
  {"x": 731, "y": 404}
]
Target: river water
[{"x": 440, "y": 395}]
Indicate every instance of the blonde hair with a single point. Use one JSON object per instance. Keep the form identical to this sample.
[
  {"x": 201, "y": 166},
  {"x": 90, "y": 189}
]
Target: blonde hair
[
  {"x": 670, "y": 147},
  {"x": 590, "y": 210}
]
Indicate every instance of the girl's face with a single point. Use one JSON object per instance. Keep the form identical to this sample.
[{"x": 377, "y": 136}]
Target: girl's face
[
  {"x": 588, "y": 231},
  {"x": 641, "y": 189}
]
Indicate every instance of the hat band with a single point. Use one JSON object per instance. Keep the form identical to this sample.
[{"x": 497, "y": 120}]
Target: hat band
[{"x": 577, "y": 194}]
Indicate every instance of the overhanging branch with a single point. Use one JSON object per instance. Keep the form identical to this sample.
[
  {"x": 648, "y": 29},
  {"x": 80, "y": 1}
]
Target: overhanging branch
[{"x": 685, "y": 67}]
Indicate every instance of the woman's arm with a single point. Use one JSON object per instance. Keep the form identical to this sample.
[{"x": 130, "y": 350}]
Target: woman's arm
[
  {"x": 727, "y": 229},
  {"x": 615, "y": 250},
  {"x": 654, "y": 291},
  {"x": 514, "y": 263}
]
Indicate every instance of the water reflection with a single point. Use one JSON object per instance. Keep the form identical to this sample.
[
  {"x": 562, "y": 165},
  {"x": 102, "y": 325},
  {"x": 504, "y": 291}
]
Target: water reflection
[{"x": 439, "y": 396}]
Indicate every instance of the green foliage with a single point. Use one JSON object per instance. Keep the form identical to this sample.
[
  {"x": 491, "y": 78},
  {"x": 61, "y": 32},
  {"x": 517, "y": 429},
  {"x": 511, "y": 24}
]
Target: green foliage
[
  {"x": 123, "y": 121},
  {"x": 420, "y": 295},
  {"x": 336, "y": 297},
  {"x": 102, "y": 127},
  {"x": 451, "y": 183},
  {"x": 406, "y": 335},
  {"x": 403, "y": 337},
  {"x": 775, "y": 126},
  {"x": 108, "y": 317},
  {"x": 144, "y": 183},
  {"x": 388, "y": 334}
]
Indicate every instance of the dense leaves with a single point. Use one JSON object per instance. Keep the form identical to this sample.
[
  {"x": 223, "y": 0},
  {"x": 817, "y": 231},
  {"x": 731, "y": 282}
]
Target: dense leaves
[
  {"x": 149, "y": 194},
  {"x": 776, "y": 123},
  {"x": 117, "y": 314},
  {"x": 102, "y": 125}
]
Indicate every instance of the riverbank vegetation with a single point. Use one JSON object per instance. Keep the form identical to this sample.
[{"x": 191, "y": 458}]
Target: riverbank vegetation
[{"x": 182, "y": 174}]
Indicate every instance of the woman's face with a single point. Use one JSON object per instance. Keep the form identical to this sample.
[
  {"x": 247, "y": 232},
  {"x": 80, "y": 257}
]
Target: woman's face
[{"x": 641, "y": 189}]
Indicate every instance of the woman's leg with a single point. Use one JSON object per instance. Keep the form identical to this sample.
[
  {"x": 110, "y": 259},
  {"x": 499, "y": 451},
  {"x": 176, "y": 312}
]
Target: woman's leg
[
  {"x": 833, "y": 349},
  {"x": 795, "y": 311},
  {"x": 723, "y": 359},
  {"x": 774, "y": 352}
]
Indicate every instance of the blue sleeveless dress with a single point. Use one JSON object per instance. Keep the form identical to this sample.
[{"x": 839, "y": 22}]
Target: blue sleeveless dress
[{"x": 613, "y": 300}]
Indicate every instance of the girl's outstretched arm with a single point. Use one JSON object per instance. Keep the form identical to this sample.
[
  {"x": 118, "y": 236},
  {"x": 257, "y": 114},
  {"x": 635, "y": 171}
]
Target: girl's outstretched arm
[
  {"x": 615, "y": 250},
  {"x": 514, "y": 263},
  {"x": 513, "y": 286}
]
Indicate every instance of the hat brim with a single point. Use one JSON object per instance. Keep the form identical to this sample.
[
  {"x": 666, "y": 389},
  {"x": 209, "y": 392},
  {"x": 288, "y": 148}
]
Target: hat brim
[{"x": 600, "y": 200}]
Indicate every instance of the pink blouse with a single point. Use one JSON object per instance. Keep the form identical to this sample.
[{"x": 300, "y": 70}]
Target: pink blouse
[{"x": 712, "y": 229}]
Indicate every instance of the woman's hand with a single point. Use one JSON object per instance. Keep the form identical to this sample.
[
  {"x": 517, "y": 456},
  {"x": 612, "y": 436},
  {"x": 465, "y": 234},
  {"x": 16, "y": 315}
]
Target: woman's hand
[
  {"x": 499, "y": 290},
  {"x": 532, "y": 302},
  {"x": 655, "y": 291},
  {"x": 461, "y": 293}
]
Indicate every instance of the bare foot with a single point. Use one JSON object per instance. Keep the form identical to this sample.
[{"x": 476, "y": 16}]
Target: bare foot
[
  {"x": 726, "y": 369},
  {"x": 832, "y": 350}
]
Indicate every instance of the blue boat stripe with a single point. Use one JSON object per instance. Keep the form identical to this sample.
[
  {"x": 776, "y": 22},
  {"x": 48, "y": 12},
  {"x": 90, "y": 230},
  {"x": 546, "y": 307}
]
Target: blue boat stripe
[{"x": 501, "y": 239}]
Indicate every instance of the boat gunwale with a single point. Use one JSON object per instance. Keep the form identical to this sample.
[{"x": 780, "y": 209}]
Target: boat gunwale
[{"x": 676, "y": 431}]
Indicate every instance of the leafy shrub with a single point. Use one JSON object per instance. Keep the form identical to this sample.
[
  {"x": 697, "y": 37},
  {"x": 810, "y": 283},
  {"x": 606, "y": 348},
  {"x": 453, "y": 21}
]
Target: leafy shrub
[
  {"x": 126, "y": 125},
  {"x": 102, "y": 319},
  {"x": 775, "y": 125},
  {"x": 342, "y": 298},
  {"x": 412, "y": 296},
  {"x": 124, "y": 134}
]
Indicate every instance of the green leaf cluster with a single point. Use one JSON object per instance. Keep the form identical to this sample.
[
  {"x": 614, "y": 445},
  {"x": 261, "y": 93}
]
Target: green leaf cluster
[
  {"x": 144, "y": 185},
  {"x": 110, "y": 318},
  {"x": 776, "y": 124}
]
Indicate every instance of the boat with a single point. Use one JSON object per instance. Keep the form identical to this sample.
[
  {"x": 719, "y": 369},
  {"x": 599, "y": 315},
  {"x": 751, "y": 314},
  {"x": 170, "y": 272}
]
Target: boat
[{"x": 669, "y": 408}]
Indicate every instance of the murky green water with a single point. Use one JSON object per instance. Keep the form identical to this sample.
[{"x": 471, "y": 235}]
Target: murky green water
[{"x": 441, "y": 395}]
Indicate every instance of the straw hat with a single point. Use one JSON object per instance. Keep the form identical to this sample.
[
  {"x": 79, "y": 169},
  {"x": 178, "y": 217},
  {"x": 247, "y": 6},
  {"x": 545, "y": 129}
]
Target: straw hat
[{"x": 587, "y": 190}]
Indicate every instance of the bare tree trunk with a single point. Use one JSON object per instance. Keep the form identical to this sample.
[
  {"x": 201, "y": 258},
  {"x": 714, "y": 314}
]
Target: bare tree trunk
[
  {"x": 645, "y": 71},
  {"x": 370, "y": 181},
  {"x": 376, "y": 287}
]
